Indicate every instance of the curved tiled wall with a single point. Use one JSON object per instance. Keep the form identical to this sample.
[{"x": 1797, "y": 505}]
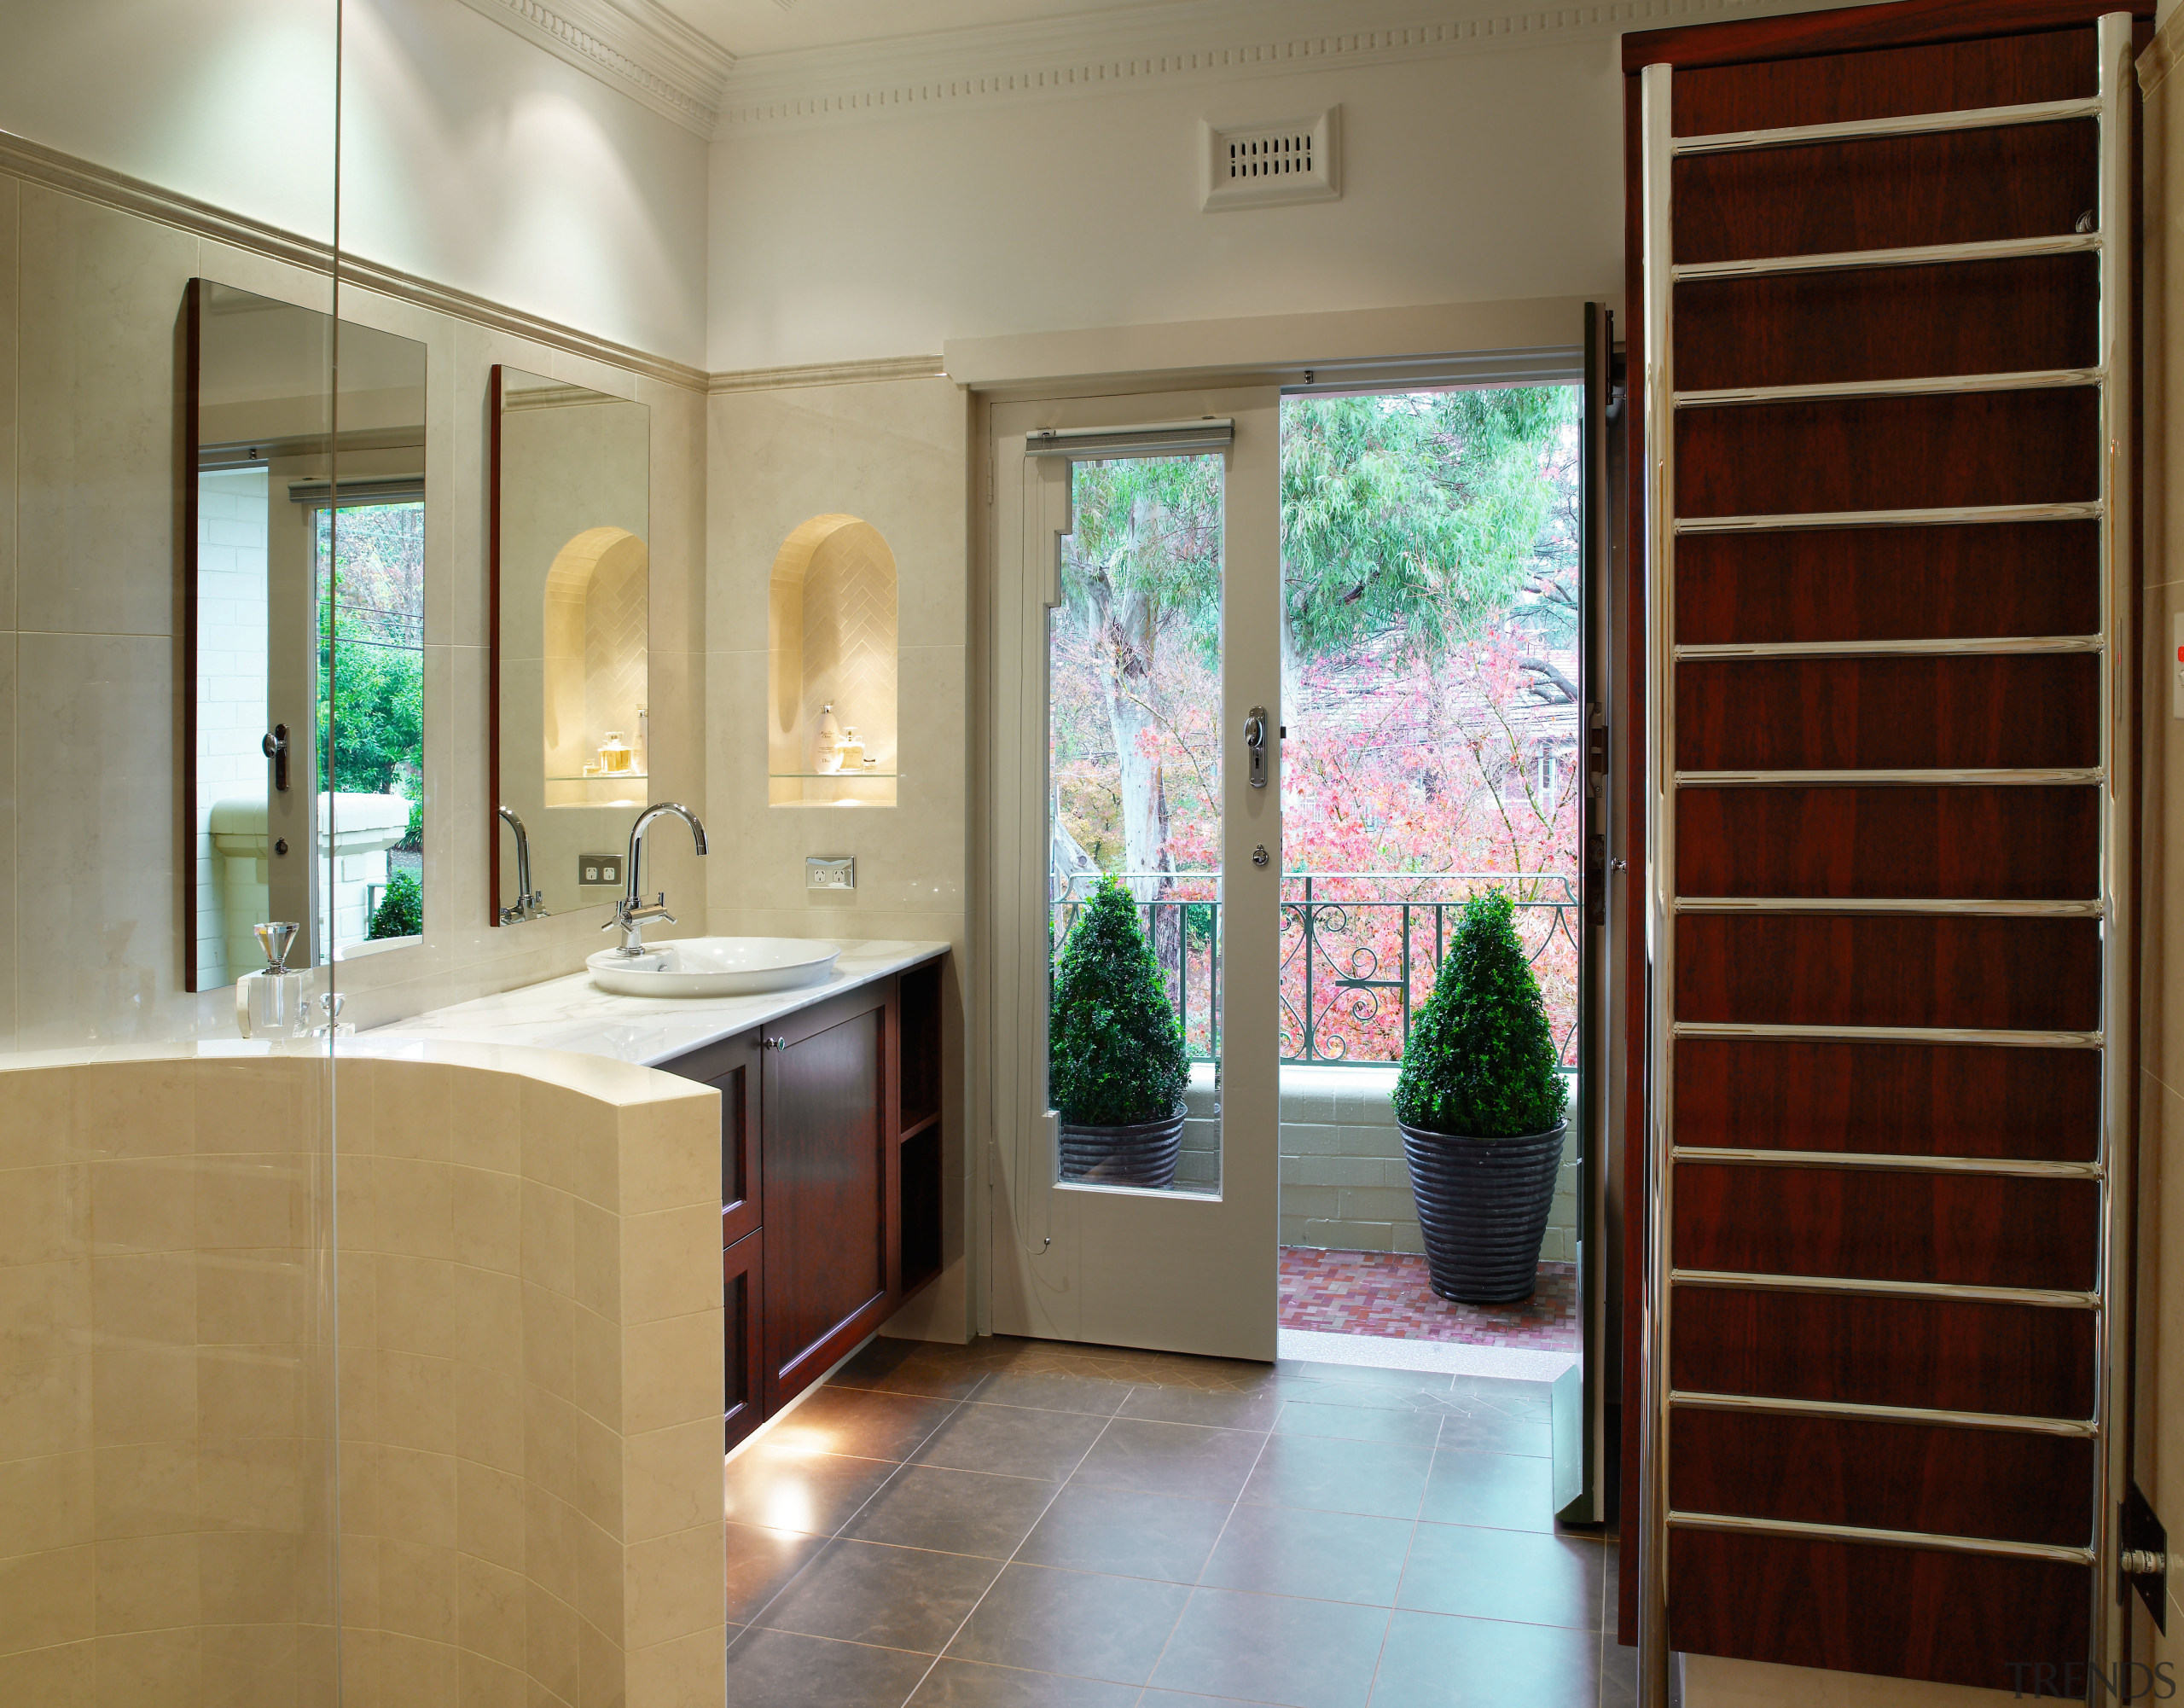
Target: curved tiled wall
[{"x": 525, "y": 1427}]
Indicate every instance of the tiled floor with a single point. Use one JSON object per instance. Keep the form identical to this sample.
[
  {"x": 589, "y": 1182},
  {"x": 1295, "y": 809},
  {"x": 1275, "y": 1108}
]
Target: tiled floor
[
  {"x": 1031, "y": 1524},
  {"x": 1388, "y": 1294}
]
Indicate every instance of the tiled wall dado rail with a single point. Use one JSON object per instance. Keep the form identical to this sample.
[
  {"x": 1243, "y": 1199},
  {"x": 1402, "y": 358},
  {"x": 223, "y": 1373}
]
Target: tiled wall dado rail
[
  {"x": 525, "y": 1432},
  {"x": 92, "y": 270}
]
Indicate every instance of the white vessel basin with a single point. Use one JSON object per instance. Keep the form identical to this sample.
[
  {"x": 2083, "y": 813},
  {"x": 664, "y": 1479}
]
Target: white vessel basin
[{"x": 715, "y": 967}]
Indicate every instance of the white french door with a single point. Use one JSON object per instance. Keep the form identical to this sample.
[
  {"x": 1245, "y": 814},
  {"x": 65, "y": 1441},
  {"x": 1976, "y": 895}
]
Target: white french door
[{"x": 1137, "y": 635}]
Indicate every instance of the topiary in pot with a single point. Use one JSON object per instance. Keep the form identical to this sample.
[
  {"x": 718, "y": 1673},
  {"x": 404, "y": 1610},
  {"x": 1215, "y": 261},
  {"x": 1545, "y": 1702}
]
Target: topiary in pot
[
  {"x": 1116, "y": 1066},
  {"x": 1480, "y": 1101}
]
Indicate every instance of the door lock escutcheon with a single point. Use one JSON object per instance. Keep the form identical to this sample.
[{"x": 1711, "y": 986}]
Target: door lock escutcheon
[
  {"x": 275, "y": 747},
  {"x": 1255, "y": 739}
]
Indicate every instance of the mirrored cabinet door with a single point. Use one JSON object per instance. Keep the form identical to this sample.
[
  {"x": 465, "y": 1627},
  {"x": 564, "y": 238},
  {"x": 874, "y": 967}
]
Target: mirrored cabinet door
[
  {"x": 303, "y": 586},
  {"x": 572, "y": 590}
]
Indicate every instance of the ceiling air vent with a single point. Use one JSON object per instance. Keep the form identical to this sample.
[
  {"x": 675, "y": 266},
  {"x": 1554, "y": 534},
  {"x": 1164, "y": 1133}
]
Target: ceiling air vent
[{"x": 1288, "y": 160}]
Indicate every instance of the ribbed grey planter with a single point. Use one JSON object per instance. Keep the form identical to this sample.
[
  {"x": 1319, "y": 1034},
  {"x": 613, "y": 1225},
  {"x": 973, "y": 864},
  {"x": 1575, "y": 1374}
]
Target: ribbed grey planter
[
  {"x": 1483, "y": 1205},
  {"x": 1140, "y": 1155}
]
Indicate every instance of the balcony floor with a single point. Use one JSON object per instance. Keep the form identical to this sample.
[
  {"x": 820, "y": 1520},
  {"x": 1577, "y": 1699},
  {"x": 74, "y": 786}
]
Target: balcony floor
[{"x": 1388, "y": 1294}]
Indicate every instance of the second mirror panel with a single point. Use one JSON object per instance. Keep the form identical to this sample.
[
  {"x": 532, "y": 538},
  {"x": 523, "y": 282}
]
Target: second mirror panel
[{"x": 572, "y": 610}]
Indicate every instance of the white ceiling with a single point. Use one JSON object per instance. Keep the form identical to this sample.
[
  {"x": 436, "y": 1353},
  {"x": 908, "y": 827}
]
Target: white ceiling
[{"x": 746, "y": 27}]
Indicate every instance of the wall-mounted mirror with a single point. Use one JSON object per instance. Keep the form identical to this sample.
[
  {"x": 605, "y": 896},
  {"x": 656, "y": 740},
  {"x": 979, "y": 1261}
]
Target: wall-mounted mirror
[
  {"x": 304, "y": 618},
  {"x": 571, "y": 590}
]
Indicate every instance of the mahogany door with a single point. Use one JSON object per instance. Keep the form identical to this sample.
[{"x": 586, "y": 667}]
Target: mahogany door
[
  {"x": 831, "y": 1256},
  {"x": 1888, "y": 574}
]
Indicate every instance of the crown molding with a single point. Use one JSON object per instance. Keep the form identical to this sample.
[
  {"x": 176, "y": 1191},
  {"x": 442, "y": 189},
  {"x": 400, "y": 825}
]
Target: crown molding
[
  {"x": 34, "y": 163},
  {"x": 636, "y": 46},
  {"x": 1184, "y": 42}
]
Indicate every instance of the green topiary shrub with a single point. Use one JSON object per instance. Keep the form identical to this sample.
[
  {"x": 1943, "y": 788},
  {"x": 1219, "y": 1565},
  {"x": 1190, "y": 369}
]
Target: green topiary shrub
[
  {"x": 1481, "y": 1060},
  {"x": 401, "y": 909},
  {"x": 1115, "y": 1050}
]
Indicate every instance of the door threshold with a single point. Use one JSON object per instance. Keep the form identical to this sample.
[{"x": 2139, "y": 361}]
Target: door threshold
[{"x": 1452, "y": 1357}]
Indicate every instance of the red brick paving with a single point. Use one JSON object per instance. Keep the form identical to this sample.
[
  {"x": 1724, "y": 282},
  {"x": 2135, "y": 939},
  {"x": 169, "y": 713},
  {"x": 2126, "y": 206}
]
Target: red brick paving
[{"x": 1387, "y": 1293}]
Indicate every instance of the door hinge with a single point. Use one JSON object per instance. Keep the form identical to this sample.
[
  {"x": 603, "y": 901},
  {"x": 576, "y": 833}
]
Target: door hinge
[
  {"x": 2142, "y": 1561},
  {"x": 1596, "y": 752}
]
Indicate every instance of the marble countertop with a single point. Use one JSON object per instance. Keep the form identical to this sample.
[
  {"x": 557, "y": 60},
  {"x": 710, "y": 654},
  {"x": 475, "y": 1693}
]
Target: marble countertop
[{"x": 573, "y": 1014}]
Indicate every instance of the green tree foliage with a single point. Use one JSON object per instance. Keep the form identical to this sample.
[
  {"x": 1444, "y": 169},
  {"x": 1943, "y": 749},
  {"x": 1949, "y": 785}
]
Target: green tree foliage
[
  {"x": 1481, "y": 1060},
  {"x": 1115, "y": 1050},
  {"x": 371, "y": 675},
  {"x": 401, "y": 909},
  {"x": 1416, "y": 515}
]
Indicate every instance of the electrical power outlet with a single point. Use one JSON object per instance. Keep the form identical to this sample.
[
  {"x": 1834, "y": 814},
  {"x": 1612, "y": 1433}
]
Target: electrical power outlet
[
  {"x": 599, "y": 869},
  {"x": 822, "y": 873}
]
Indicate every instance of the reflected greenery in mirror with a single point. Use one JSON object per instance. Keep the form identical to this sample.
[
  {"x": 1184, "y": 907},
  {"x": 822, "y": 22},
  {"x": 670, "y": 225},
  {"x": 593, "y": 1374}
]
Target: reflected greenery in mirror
[
  {"x": 571, "y": 627},
  {"x": 304, "y": 623}
]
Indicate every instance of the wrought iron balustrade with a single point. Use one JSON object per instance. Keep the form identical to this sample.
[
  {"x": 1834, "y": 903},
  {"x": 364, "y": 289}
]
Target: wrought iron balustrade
[{"x": 1360, "y": 951}]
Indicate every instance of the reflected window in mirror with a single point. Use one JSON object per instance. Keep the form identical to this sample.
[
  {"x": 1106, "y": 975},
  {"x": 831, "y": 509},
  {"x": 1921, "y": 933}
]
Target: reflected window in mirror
[
  {"x": 571, "y": 585},
  {"x": 302, "y": 583}
]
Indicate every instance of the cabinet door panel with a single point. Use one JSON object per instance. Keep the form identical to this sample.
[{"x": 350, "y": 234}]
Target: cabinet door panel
[
  {"x": 826, "y": 1187},
  {"x": 737, "y": 1081},
  {"x": 743, "y": 1301}
]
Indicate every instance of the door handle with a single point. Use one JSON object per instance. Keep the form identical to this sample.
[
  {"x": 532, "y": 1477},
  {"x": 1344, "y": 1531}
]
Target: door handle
[
  {"x": 1255, "y": 739},
  {"x": 276, "y": 748}
]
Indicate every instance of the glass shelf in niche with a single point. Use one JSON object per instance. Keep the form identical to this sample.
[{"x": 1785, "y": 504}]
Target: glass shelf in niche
[
  {"x": 599, "y": 777},
  {"x": 859, "y": 775}
]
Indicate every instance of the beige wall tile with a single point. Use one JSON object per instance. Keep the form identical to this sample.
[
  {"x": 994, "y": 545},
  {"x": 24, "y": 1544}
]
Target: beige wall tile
[
  {"x": 481, "y": 1683},
  {"x": 256, "y": 1203},
  {"x": 548, "y": 1238},
  {"x": 485, "y": 1119},
  {"x": 416, "y": 1589},
  {"x": 596, "y": 1491},
  {"x": 489, "y": 1610},
  {"x": 489, "y": 1510},
  {"x": 45, "y": 1502},
  {"x": 248, "y": 1577},
  {"x": 144, "y": 1491},
  {"x": 148, "y": 1584},
  {"x": 413, "y": 1313},
  {"x": 251, "y": 1484},
  {"x": 251, "y": 1298},
  {"x": 45, "y": 1399},
  {"x": 250, "y": 1663},
  {"x": 485, "y": 1207},
  {"x": 416, "y": 1402},
  {"x": 595, "y": 1367},
  {"x": 671, "y": 1153},
  {"x": 670, "y": 1478},
  {"x": 144, "y": 1393},
  {"x": 45, "y": 1214},
  {"x": 678, "y": 1585},
  {"x": 549, "y": 1342},
  {"x": 146, "y": 1205},
  {"x": 670, "y": 1262},
  {"x": 150, "y": 1670},
  {"x": 411, "y": 1114},
  {"x": 488, "y": 1319},
  {"x": 673, "y": 1371},
  {"x": 37, "y": 1114},
  {"x": 414, "y": 1207},
  {"x": 149, "y": 1297},
  {"x": 255, "y": 1390},
  {"x": 601, "y": 1666},
  {"x": 416, "y": 1671},
  {"x": 687, "y": 1669},
  {"x": 489, "y": 1418},
  {"x": 45, "y": 1301},
  {"x": 58, "y": 1677},
  {"x": 550, "y": 1641},
  {"x": 266, "y": 1104},
  {"x": 416, "y": 1496},
  {"x": 47, "y": 1598},
  {"x": 595, "y": 1281},
  {"x": 550, "y": 1526},
  {"x": 601, "y": 1578},
  {"x": 550, "y": 1443},
  {"x": 137, "y": 1109}
]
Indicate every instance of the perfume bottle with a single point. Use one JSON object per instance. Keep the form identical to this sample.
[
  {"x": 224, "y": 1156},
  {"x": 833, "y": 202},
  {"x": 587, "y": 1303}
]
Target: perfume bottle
[
  {"x": 827, "y": 752},
  {"x": 613, "y": 754},
  {"x": 852, "y": 752}
]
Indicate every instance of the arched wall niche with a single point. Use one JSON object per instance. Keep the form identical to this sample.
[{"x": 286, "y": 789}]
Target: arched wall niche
[
  {"x": 597, "y": 621},
  {"x": 831, "y": 627}
]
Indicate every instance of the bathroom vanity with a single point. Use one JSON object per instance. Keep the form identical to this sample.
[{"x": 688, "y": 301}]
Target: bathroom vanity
[{"x": 830, "y": 1142}]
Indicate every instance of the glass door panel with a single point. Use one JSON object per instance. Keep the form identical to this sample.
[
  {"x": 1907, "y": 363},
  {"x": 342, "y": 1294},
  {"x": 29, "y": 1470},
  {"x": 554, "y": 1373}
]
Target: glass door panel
[{"x": 1134, "y": 665}]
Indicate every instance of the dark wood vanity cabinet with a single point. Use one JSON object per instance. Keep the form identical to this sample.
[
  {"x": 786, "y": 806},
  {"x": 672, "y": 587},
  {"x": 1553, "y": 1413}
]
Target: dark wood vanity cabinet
[{"x": 830, "y": 1181}]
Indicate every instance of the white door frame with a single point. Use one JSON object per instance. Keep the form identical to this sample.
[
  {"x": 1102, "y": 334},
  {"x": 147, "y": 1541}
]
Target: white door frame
[{"x": 1176, "y": 1271}]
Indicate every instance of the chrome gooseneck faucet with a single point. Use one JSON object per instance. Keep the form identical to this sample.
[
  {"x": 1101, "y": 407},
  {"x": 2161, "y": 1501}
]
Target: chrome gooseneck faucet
[
  {"x": 529, "y": 903},
  {"x": 632, "y": 911}
]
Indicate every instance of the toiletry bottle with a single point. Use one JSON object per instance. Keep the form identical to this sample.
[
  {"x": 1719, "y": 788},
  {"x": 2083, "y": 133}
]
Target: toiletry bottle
[
  {"x": 827, "y": 752},
  {"x": 852, "y": 751},
  {"x": 613, "y": 754},
  {"x": 269, "y": 1003}
]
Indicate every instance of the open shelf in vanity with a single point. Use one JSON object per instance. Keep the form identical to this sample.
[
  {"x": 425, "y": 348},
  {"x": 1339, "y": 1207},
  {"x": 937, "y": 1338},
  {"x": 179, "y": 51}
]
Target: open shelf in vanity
[{"x": 831, "y": 1171}]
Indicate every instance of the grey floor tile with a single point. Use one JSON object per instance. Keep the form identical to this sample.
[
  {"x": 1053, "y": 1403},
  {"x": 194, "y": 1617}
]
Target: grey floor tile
[
  {"x": 910, "y": 1367},
  {"x": 760, "y": 1562},
  {"x": 1011, "y": 1442},
  {"x": 1378, "y": 1396},
  {"x": 778, "y": 1669},
  {"x": 1077, "y": 1623},
  {"x": 1126, "y": 1532},
  {"x": 953, "y": 1512},
  {"x": 1184, "y": 1699},
  {"x": 1504, "y": 1574},
  {"x": 963, "y": 1684},
  {"x": 1087, "y": 1394},
  {"x": 1171, "y": 1459},
  {"x": 1494, "y": 1432},
  {"x": 1367, "y": 1375},
  {"x": 1619, "y": 1674},
  {"x": 865, "y": 1592},
  {"x": 1501, "y": 1490},
  {"x": 1331, "y": 1556},
  {"x": 1372, "y": 1477},
  {"x": 1360, "y": 1423},
  {"x": 1256, "y": 1409},
  {"x": 812, "y": 1492},
  {"x": 860, "y": 1423},
  {"x": 1433, "y": 1661},
  {"x": 1272, "y": 1649}
]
